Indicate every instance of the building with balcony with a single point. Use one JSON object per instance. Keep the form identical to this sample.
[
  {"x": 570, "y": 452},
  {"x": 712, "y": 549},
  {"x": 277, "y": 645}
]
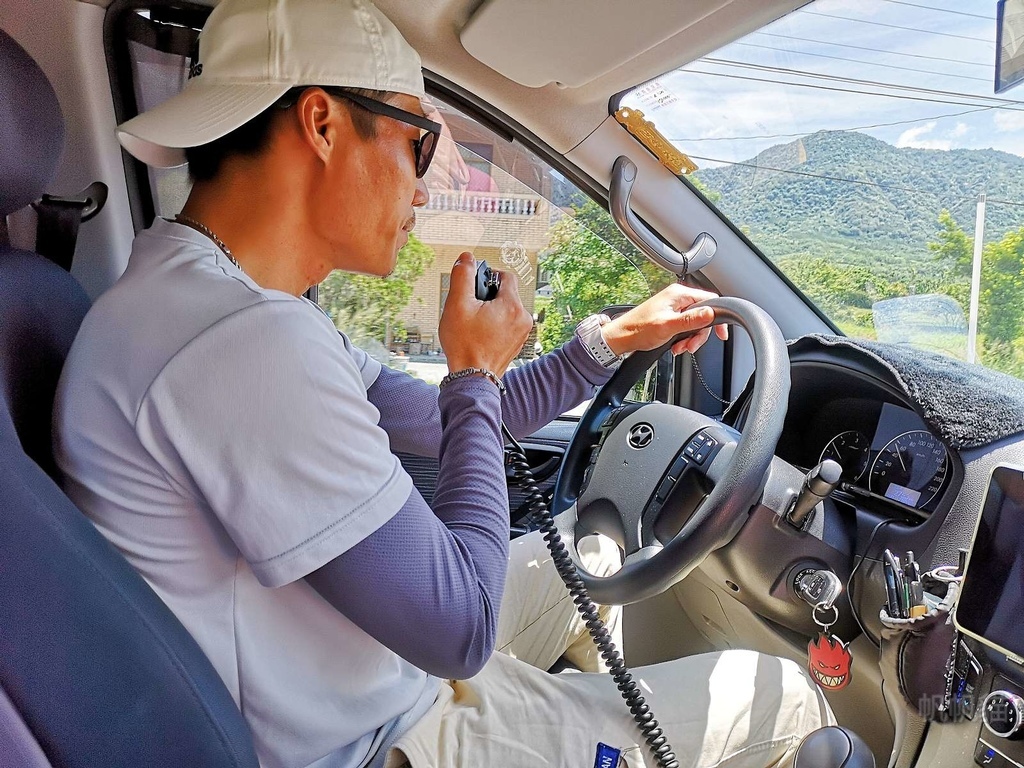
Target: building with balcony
[{"x": 489, "y": 197}]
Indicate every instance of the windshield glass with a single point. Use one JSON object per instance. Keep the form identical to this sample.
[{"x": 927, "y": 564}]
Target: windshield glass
[{"x": 860, "y": 147}]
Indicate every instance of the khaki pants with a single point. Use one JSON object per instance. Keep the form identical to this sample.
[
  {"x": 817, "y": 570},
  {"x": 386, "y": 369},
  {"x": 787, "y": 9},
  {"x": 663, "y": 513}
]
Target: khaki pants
[
  {"x": 738, "y": 709},
  {"x": 538, "y": 622}
]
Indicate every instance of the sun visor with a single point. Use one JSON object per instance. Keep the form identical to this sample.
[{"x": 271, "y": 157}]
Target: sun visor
[{"x": 572, "y": 42}]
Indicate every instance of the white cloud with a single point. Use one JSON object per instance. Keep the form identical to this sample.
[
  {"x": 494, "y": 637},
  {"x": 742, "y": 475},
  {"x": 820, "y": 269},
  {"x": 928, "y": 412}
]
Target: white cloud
[
  {"x": 912, "y": 137},
  {"x": 959, "y": 130},
  {"x": 1006, "y": 122}
]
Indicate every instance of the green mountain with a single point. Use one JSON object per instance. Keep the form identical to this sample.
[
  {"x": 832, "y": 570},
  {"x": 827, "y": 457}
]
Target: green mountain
[{"x": 878, "y": 201}]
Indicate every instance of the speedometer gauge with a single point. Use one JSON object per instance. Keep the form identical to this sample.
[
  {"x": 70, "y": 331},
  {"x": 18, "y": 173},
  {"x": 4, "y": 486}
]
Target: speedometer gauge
[
  {"x": 911, "y": 468},
  {"x": 850, "y": 449}
]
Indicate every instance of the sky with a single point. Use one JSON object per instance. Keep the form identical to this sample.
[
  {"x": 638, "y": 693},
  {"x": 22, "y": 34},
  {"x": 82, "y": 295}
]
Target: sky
[{"x": 919, "y": 73}]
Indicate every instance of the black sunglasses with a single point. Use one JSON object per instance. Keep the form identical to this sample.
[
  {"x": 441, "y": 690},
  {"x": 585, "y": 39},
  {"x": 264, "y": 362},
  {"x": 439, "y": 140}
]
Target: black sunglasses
[{"x": 423, "y": 147}]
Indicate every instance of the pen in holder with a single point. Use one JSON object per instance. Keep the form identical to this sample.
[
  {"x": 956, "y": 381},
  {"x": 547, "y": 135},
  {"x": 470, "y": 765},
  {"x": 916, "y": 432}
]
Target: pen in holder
[{"x": 903, "y": 588}]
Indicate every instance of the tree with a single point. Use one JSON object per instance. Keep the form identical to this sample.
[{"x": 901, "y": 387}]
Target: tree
[
  {"x": 953, "y": 247},
  {"x": 1000, "y": 303},
  {"x": 1001, "y": 300},
  {"x": 588, "y": 274},
  {"x": 711, "y": 195},
  {"x": 844, "y": 292},
  {"x": 954, "y": 250},
  {"x": 366, "y": 306}
]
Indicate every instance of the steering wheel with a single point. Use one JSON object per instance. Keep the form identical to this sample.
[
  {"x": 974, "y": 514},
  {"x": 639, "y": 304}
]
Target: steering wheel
[{"x": 667, "y": 484}]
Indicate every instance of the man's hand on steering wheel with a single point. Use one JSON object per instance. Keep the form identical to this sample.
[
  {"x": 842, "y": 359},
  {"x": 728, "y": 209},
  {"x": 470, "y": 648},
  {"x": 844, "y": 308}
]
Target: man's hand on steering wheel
[
  {"x": 662, "y": 317},
  {"x": 669, "y": 485}
]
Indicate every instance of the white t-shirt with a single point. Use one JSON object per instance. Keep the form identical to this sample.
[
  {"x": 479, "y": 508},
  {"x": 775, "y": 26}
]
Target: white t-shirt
[{"x": 219, "y": 435}]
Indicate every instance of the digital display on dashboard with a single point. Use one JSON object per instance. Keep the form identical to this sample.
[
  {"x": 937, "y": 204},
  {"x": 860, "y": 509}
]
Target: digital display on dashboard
[
  {"x": 902, "y": 493},
  {"x": 991, "y": 601}
]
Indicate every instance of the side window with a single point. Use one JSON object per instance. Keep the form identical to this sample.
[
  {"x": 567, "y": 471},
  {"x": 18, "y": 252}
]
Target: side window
[
  {"x": 151, "y": 51},
  {"x": 511, "y": 208},
  {"x": 488, "y": 195}
]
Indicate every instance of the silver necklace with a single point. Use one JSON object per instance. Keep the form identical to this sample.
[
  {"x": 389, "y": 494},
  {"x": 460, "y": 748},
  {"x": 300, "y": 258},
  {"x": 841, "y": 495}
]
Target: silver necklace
[{"x": 183, "y": 219}]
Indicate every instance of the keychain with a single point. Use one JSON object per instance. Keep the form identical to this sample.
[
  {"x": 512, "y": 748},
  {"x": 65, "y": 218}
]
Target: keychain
[{"x": 828, "y": 658}]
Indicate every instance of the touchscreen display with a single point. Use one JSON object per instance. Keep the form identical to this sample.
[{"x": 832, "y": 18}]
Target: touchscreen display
[{"x": 991, "y": 602}]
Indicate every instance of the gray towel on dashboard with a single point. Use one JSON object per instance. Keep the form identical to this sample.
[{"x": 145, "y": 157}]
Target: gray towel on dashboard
[{"x": 967, "y": 405}]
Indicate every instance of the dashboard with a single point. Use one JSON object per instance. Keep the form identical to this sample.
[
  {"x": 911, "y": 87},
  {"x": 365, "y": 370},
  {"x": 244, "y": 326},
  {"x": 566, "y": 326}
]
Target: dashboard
[
  {"x": 902, "y": 489},
  {"x": 900, "y": 483},
  {"x": 891, "y": 461}
]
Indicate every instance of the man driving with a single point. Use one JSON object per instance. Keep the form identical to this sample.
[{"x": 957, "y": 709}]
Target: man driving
[{"x": 239, "y": 451}]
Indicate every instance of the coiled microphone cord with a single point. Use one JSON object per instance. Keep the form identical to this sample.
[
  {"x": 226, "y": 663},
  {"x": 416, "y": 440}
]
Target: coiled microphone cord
[{"x": 654, "y": 737}]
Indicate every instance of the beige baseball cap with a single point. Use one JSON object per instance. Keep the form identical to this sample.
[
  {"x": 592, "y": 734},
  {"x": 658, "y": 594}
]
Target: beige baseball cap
[{"x": 251, "y": 52}]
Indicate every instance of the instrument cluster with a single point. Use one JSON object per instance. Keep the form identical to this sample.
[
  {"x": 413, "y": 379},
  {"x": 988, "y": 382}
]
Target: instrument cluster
[
  {"x": 886, "y": 451},
  {"x": 910, "y": 468}
]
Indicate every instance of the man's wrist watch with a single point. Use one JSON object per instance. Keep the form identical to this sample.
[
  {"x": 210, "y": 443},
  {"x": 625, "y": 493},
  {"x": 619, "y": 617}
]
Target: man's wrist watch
[{"x": 589, "y": 331}]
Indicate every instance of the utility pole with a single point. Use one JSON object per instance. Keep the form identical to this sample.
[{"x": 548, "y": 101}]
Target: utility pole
[{"x": 972, "y": 322}]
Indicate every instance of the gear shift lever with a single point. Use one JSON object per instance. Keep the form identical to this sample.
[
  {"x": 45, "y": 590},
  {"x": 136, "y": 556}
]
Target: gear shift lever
[{"x": 833, "y": 747}]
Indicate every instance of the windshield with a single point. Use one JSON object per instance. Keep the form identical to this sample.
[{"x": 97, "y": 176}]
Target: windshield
[{"x": 860, "y": 147}]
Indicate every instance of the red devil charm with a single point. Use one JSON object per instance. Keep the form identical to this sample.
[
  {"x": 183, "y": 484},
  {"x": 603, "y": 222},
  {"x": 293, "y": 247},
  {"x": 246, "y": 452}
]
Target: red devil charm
[{"x": 829, "y": 661}]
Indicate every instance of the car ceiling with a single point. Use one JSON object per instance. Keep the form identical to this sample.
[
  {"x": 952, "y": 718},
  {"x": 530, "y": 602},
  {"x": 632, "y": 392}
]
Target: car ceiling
[
  {"x": 521, "y": 39},
  {"x": 584, "y": 51}
]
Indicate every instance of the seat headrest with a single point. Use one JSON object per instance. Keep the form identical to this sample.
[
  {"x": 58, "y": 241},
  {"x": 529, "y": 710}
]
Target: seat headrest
[{"x": 32, "y": 129}]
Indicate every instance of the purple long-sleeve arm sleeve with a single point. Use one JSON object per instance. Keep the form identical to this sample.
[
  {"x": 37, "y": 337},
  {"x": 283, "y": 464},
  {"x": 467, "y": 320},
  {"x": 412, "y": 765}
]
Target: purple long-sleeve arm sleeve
[
  {"x": 428, "y": 583},
  {"x": 537, "y": 393}
]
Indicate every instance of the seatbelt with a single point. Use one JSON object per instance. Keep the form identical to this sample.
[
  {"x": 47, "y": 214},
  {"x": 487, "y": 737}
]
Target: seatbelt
[{"x": 58, "y": 219}]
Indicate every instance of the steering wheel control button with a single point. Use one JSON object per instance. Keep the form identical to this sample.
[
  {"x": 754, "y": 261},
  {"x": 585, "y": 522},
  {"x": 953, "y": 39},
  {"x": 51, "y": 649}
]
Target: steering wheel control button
[
  {"x": 665, "y": 488},
  {"x": 695, "y": 444},
  {"x": 640, "y": 436},
  {"x": 611, "y": 419},
  {"x": 700, "y": 447},
  {"x": 676, "y": 470},
  {"x": 1003, "y": 713},
  {"x": 704, "y": 451}
]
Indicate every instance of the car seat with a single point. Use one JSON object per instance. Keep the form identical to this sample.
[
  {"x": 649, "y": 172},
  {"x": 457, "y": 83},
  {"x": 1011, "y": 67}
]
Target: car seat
[{"x": 94, "y": 668}]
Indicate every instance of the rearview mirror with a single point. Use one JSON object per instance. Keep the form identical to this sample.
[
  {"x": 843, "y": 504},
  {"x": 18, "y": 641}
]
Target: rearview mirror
[{"x": 1009, "y": 44}]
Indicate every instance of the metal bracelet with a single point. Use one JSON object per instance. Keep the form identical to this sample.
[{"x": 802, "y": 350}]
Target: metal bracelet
[{"x": 473, "y": 372}]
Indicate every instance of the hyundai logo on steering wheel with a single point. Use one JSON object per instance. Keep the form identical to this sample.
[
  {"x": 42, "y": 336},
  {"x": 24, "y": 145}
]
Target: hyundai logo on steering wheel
[{"x": 640, "y": 436}]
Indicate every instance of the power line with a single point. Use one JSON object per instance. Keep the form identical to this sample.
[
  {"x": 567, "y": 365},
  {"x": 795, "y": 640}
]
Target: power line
[
  {"x": 940, "y": 10},
  {"x": 863, "y": 62},
  {"x": 813, "y": 86},
  {"x": 1004, "y": 202},
  {"x": 897, "y": 26},
  {"x": 857, "y": 81},
  {"x": 876, "y": 50},
  {"x": 853, "y": 128}
]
